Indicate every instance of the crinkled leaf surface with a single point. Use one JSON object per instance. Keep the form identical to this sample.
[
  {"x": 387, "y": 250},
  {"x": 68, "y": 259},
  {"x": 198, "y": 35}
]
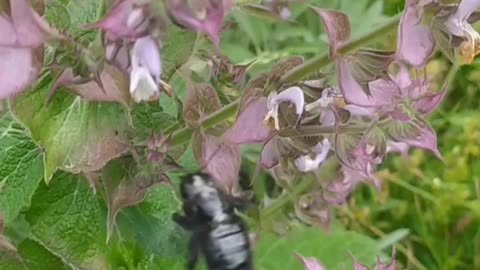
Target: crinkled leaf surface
[
  {"x": 34, "y": 256},
  {"x": 66, "y": 218},
  {"x": 77, "y": 135},
  {"x": 274, "y": 252},
  {"x": 21, "y": 168},
  {"x": 169, "y": 244},
  {"x": 71, "y": 15},
  {"x": 177, "y": 46}
]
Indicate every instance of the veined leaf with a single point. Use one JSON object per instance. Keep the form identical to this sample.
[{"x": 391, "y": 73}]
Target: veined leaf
[
  {"x": 77, "y": 135},
  {"x": 21, "y": 168},
  {"x": 67, "y": 219},
  {"x": 332, "y": 249}
]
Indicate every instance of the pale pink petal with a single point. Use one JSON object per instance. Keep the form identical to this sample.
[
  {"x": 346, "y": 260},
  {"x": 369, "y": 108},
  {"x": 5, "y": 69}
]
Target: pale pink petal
[
  {"x": 269, "y": 157},
  {"x": 415, "y": 43},
  {"x": 310, "y": 263},
  {"x": 248, "y": 127},
  {"x": 18, "y": 70}
]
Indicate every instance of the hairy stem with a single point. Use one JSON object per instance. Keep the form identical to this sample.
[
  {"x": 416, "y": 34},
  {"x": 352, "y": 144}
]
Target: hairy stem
[
  {"x": 316, "y": 130},
  {"x": 183, "y": 135}
]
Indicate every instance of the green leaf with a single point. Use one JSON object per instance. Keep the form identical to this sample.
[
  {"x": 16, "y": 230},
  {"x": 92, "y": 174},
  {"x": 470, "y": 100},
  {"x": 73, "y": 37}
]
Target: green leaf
[
  {"x": 21, "y": 168},
  {"x": 32, "y": 255},
  {"x": 148, "y": 117},
  {"x": 332, "y": 249},
  {"x": 67, "y": 219},
  {"x": 393, "y": 237},
  {"x": 77, "y": 135},
  {"x": 71, "y": 15},
  {"x": 177, "y": 47}
]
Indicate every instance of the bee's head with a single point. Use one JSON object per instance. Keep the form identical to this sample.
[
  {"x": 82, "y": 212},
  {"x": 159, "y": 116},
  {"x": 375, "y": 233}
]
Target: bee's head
[
  {"x": 200, "y": 191},
  {"x": 193, "y": 184}
]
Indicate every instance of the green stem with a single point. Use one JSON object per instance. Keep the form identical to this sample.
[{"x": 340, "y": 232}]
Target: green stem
[
  {"x": 315, "y": 130},
  {"x": 183, "y": 135},
  {"x": 297, "y": 189}
]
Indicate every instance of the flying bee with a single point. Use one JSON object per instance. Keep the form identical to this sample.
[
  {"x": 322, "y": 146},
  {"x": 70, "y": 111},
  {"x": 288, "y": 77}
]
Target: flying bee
[{"x": 217, "y": 232}]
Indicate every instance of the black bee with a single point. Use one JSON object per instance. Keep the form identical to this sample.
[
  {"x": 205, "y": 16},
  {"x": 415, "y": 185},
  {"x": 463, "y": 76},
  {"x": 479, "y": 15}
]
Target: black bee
[{"x": 217, "y": 233}]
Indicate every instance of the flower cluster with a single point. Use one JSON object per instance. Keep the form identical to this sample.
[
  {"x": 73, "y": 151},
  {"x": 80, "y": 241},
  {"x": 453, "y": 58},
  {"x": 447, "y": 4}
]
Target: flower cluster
[{"x": 378, "y": 104}]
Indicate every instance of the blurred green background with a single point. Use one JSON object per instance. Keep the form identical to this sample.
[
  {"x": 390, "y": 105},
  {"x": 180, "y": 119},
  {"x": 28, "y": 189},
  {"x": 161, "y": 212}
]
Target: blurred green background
[{"x": 432, "y": 208}]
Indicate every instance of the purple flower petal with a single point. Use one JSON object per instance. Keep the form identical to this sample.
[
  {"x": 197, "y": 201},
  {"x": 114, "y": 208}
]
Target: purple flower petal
[
  {"x": 124, "y": 20},
  {"x": 18, "y": 70},
  {"x": 415, "y": 42},
  {"x": 337, "y": 27},
  {"x": 25, "y": 28},
  {"x": 382, "y": 92},
  {"x": 310, "y": 263},
  {"x": 219, "y": 159},
  {"x": 210, "y": 22},
  {"x": 115, "y": 86},
  {"x": 269, "y": 157},
  {"x": 248, "y": 127},
  {"x": 429, "y": 101}
]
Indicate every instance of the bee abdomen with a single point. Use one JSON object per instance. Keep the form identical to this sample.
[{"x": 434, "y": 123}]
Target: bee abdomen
[{"x": 229, "y": 248}]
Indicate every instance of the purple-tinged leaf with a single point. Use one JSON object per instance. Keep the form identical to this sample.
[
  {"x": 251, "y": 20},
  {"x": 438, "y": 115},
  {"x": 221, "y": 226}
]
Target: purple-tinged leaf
[
  {"x": 206, "y": 17},
  {"x": 248, "y": 127},
  {"x": 415, "y": 42},
  {"x": 310, "y": 263},
  {"x": 114, "y": 82},
  {"x": 126, "y": 19},
  {"x": 416, "y": 133},
  {"x": 337, "y": 27},
  {"x": 218, "y": 158},
  {"x": 200, "y": 101}
]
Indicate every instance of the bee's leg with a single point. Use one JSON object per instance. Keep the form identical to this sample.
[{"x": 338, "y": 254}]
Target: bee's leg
[
  {"x": 188, "y": 224},
  {"x": 193, "y": 252}
]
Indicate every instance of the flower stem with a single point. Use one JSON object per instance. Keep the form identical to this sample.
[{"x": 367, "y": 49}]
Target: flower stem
[
  {"x": 183, "y": 135},
  {"x": 316, "y": 130}
]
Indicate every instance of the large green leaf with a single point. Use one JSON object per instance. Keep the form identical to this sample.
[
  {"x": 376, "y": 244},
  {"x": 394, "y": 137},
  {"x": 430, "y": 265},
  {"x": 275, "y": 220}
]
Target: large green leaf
[
  {"x": 77, "y": 135},
  {"x": 31, "y": 255},
  {"x": 67, "y": 219},
  {"x": 21, "y": 168},
  {"x": 332, "y": 250}
]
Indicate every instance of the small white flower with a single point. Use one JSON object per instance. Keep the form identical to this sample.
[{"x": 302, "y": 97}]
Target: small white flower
[
  {"x": 308, "y": 163},
  {"x": 458, "y": 25},
  {"x": 292, "y": 94},
  {"x": 146, "y": 70}
]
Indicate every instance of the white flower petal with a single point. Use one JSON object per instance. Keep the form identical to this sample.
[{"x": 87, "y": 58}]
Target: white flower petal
[{"x": 306, "y": 163}]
